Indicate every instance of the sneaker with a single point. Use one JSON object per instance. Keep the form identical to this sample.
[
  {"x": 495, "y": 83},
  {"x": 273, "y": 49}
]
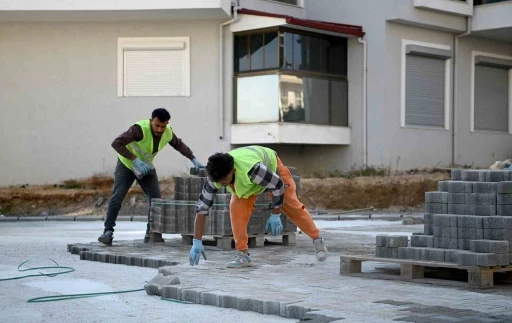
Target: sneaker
[
  {"x": 241, "y": 259},
  {"x": 321, "y": 249},
  {"x": 106, "y": 237}
]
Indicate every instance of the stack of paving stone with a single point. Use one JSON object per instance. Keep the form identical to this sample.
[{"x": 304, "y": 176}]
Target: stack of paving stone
[
  {"x": 177, "y": 216},
  {"x": 468, "y": 221}
]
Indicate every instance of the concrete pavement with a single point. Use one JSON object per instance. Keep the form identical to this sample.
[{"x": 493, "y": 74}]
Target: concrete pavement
[{"x": 289, "y": 276}]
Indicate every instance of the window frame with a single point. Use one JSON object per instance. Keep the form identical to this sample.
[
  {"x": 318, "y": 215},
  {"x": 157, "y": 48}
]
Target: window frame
[
  {"x": 447, "y": 85},
  {"x": 474, "y": 54},
  {"x": 152, "y": 43}
]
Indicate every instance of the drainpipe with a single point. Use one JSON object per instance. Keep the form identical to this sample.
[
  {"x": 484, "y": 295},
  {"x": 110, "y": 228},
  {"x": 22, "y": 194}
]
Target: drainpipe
[
  {"x": 365, "y": 102},
  {"x": 221, "y": 66},
  {"x": 456, "y": 85}
]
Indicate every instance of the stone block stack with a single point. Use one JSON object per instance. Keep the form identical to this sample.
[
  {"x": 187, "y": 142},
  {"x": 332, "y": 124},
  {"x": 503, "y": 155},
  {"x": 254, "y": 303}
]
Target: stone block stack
[
  {"x": 468, "y": 221},
  {"x": 177, "y": 216}
]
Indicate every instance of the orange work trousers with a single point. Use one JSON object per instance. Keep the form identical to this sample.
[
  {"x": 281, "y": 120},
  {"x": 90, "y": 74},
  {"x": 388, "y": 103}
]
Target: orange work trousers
[{"x": 242, "y": 208}]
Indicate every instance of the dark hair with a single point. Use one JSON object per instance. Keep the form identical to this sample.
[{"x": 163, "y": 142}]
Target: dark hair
[
  {"x": 219, "y": 165},
  {"x": 162, "y": 114}
]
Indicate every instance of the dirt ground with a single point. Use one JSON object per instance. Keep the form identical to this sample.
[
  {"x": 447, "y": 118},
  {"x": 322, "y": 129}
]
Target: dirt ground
[{"x": 398, "y": 193}]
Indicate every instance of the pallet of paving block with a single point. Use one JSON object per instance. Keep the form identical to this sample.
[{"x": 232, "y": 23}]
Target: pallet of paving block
[
  {"x": 478, "y": 277},
  {"x": 255, "y": 240}
]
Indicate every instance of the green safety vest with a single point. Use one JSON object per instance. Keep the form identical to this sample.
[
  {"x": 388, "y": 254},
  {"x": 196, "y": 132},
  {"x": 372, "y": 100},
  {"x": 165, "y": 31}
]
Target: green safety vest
[
  {"x": 144, "y": 149},
  {"x": 245, "y": 158}
]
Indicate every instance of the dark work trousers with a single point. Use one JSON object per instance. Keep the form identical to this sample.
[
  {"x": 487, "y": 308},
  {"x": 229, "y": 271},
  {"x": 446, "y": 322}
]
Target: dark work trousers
[{"x": 123, "y": 180}]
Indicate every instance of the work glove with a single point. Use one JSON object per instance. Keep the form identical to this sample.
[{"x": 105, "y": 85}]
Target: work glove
[
  {"x": 142, "y": 166},
  {"x": 195, "y": 251},
  {"x": 197, "y": 164},
  {"x": 274, "y": 221}
]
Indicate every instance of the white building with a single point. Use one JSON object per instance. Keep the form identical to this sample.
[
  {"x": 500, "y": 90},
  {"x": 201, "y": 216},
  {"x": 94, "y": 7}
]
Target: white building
[{"x": 328, "y": 84}]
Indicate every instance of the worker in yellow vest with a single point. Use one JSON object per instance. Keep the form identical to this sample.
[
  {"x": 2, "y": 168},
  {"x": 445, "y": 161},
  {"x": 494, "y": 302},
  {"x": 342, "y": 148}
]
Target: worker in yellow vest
[
  {"x": 246, "y": 172},
  {"x": 136, "y": 148}
]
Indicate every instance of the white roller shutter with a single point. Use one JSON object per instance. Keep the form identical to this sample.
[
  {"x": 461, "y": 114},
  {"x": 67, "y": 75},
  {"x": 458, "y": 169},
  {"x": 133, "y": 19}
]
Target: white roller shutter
[{"x": 154, "y": 72}]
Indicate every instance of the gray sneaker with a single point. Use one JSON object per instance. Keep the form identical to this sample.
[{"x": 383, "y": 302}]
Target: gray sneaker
[
  {"x": 321, "y": 249},
  {"x": 106, "y": 237},
  {"x": 241, "y": 259}
]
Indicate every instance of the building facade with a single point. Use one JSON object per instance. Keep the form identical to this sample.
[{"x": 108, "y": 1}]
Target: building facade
[{"x": 327, "y": 84}]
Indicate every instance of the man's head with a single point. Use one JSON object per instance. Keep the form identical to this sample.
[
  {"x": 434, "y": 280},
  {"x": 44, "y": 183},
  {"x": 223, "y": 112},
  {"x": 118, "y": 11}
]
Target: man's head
[
  {"x": 159, "y": 121},
  {"x": 221, "y": 168}
]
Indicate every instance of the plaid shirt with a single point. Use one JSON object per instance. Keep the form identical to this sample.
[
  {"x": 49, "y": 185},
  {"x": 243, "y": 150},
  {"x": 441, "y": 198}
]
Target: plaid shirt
[{"x": 259, "y": 174}]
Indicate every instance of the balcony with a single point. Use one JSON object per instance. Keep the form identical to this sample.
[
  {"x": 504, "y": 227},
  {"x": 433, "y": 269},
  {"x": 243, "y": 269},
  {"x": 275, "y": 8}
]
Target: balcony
[
  {"x": 492, "y": 19},
  {"x": 112, "y": 10},
  {"x": 456, "y": 7},
  {"x": 281, "y": 108}
]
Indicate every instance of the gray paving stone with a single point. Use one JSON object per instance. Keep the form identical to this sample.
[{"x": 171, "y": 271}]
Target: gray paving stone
[
  {"x": 381, "y": 240},
  {"x": 428, "y": 218},
  {"x": 458, "y": 209},
  {"x": 433, "y": 254},
  {"x": 397, "y": 241},
  {"x": 155, "y": 285},
  {"x": 481, "y": 199},
  {"x": 504, "y": 187},
  {"x": 445, "y": 220},
  {"x": 460, "y": 187},
  {"x": 91, "y": 218},
  {"x": 140, "y": 218},
  {"x": 482, "y": 210},
  {"x": 467, "y": 221},
  {"x": 457, "y": 198},
  {"x": 450, "y": 255},
  {"x": 463, "y": 244},
  {"x": 485, "y": 188},
  {"x": 503, "y": 259},
  {"x": 456, "y": 174},
  {"x": 504, "y": 199},
  {"x": 381, "y": 252},
  {"x": 504, "y": 210},
  {"x": 428, "y": 229},
  {"x": 470, "y": 176},
  {"x": 445, "y": 243},
  {"x": 442, "y": 186},
  {"x": 494, "y": 234},
  {"x": 493, "y": 222},
  {"x": 436, "y": 197},
  {"x": 489, "y": 246},
  {"x": 440, "y": 208},
  {"x": 422, "y": 241}
]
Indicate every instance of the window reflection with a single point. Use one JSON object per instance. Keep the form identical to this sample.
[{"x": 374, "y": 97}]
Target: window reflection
[{"x": 313, "y": 100}]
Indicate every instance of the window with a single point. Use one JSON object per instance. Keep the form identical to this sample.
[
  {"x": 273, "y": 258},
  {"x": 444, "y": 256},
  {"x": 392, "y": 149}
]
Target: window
[
  {"x": 292, "y": 2},
  {"x": 480, "y": 2},
  {"x": 425, "y": 85},
  {"x": 492, "y": 93},
  {"x": 311, "y": 71},
  {"x": 154, "y": 66}
]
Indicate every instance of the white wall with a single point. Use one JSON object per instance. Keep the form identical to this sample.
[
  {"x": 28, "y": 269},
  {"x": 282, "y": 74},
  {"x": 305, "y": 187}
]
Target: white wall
[{"x": 60, "y": 110}]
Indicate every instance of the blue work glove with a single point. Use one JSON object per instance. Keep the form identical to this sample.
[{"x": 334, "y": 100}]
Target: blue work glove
[
  {"x": 197, "y": 164},
  {"x": 142, "y": 166},
  {"x": 195, "y": 251},
  {"x": 275, "y": 222}
]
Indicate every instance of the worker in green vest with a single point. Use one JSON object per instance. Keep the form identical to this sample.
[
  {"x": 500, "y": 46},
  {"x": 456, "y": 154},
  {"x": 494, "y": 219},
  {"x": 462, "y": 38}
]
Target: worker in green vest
[
  {"x": 247, "y": 172},
  {"x": 136, "y": 148}
]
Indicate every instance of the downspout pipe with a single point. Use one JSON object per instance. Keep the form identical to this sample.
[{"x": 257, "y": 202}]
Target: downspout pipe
[
  {"x": 455, "y": 86},
  {"x": 234, "y": 18},
  {"x": 365, "y": 101}
]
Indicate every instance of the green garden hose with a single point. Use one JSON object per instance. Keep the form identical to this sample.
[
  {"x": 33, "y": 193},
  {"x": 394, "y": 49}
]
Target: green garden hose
[{"x": 71, "y": 296}]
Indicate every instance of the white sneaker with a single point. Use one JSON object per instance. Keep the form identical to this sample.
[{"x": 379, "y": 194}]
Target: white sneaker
[
  {"x": 241, "y": 259},
  {"x": 321, "y": 249}
]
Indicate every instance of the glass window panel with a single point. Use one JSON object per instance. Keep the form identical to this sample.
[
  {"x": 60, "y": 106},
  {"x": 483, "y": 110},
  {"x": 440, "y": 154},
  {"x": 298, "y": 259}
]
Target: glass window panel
[
  {"x": 287, "y": 58},
  {"x": 337, "y": 58},
  {"x": 241, "y": 57},
  {"x": 339, "y": 103},
  {"x": 298, "y": 51},
  {"x": 257, "y": 99},
  {"x": 256, "y": 51},
  {"x": 271, "y": 47}
]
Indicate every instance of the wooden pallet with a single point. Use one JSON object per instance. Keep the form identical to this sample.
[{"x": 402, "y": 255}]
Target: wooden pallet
[
  {"x": 478, "y": 277},
  {"x": 228, "y": 242}
]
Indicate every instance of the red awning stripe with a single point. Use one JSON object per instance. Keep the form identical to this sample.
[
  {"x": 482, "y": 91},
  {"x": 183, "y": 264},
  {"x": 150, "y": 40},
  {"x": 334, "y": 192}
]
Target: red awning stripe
[{"x": 314, "y": 24}]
